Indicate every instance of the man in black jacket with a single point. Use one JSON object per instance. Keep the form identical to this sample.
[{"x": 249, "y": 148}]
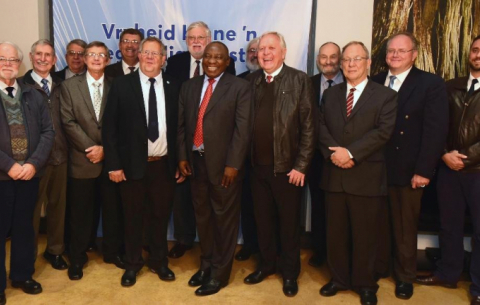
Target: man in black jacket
[{"x": 128, "y": 44}]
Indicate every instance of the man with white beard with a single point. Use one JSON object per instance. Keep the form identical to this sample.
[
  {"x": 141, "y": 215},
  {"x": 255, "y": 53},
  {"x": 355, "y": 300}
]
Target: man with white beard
[{"x": 251, "y": 61}]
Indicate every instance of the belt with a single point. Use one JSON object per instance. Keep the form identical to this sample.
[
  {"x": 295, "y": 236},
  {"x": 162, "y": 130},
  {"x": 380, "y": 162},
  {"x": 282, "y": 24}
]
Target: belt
[
  {"x": 156, "y": 158},
  {"x": 200, "y": 153}
]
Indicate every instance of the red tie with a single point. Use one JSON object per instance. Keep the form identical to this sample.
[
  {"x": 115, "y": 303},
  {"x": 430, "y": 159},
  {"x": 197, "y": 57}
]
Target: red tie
[
  {"x": 350, "y": 102},
  {"x": 269, "y": 79},
  {"x": 198, "y": 136}
]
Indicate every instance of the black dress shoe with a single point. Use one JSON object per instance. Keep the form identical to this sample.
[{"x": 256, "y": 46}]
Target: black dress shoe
[
  {"x": 129, "y": 278},
  {"x": 368, "y": 297},
  {"x": 3, "y": 299},
  {"x": 290, "y": 287},
  {"x": 403, "y": 290},
  {"x": 316, "y": 260},
  {"x": 244, "y": 253},
  {"x": 75, "y": 272},
  {"x": 29, "y": 286},
  {"x": 475, "y": 300},
  {"x": 178, "y": 250},
  {"x": 330, "y": 289},
  {"x": 164, "y": 273},
  {"x": 199, "y": 278},
  {"x": 211, "y": 287},
  {"x": 116, "y": 260},
  {"x": 256, "y": 277},
  {"x": 56, "y": 261},
  {"x": 432, "y": 280}
]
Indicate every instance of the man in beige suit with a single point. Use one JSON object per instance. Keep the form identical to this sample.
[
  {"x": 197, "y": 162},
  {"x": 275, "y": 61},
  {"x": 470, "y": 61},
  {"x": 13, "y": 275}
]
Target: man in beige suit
[{"x": 83, "y": 99}]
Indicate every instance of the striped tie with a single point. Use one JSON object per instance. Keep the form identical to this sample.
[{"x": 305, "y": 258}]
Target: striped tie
[
  {"x": 350, "y": 101},
  {"x": 45, "y": 86}
]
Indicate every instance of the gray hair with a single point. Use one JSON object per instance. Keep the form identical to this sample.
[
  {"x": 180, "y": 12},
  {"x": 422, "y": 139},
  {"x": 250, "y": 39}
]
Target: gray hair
[
  {"x": 359, "y": 43},
  {"x": 199, "y": 24},
  {"x": 78, "y": 42},
  {"x": 404, "y": 33},
  {"x": 254, "y": 40},
  {"x": 153, "y": 39},
  {"x": 279, "y": 36},
  {"x": 19, "y": 52},
  {"x": 42, "y": 42}
]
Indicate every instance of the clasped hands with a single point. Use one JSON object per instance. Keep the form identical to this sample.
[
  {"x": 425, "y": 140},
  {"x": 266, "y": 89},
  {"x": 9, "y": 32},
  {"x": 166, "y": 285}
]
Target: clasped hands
[
  {"x": 341, "y": 158},
  {"x": 22, "y": 172}
]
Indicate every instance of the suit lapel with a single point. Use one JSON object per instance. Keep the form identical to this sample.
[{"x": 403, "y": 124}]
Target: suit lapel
[
  {"x": 342, "y": 99},
  {"x": 364, "y": 97},
  {"x": 220, "y": 89},
  {"x": 106, "y": 89},
  {"x": 168, "y": 97},
  {"x": 407, "y": 87},
  {"x": 138, "y": 94},
  {"x": 197, "y": 93},
  {"x": 85, "y": 91}
]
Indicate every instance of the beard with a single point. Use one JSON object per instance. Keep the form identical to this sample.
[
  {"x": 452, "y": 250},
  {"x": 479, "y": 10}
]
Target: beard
[
  {"x": 473, "y": 67},
  {"x": 8, "y": 75},
  {"x": 251, "y": 66}
]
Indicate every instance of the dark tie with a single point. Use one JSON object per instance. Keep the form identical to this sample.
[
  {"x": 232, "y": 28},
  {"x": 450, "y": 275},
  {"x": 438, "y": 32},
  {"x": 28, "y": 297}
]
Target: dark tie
[
  {"x": 152, "y": 113},
  {"x": 350, "y": 101},
  {"x": 269, "y": 79},
  {"x": 392, "y": 81},
  {"x": 472, "y": 86},
  {"x": 198, "y": 135},
  {"x": 131, "y": 69},
  {"x": 45, "y": 86},
  {"x": 10, "y": 91},
  {"x": 330, "y": 82},
  {"x": 197, "y": 69}
]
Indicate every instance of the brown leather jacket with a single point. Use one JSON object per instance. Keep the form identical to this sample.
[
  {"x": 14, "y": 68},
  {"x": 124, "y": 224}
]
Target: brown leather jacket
[
  {"x": 293, "y": 121},
  {"x": 464, "y": 129}
]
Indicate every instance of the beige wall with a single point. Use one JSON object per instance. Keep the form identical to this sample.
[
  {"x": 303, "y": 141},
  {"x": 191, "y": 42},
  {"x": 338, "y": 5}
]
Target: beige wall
[{"x": 26, "y": 22}]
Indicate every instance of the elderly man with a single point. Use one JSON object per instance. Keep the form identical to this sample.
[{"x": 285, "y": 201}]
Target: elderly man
[
  {"x": 328, "y": 62},
  {"x": 458, "y": 184},
  {"x": 356, "y": 120},
  {"x": 412, "y": 153},
  {"x": 251, "y": 61},
  {"x": 83, "y": 99},
  {"x": 53, "y": 185},
  {"x": 26, "y": 138},
  {"x": 282, "y": 147},
  {"x": 74, "y": 57},
  {"x": 129, "y": 42}
]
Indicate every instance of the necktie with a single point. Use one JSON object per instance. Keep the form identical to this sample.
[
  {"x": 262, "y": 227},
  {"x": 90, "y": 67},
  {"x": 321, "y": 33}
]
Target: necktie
[
  {"x": 198, "y": 136},
  {"x": 392, "y": 81},
  {"x": 97, "y": 99},
  {"x": 45, "y": 86},
  {"x": 197, "y": 69},
  {"x": 350, "y": 102},
  {"x": 269, "y": 79},
  {"x": 472, "y": 86},
  {"x": 153, "y": 133},
  {"x": 330, "y": 82},
  {"x": 10, "y": 91},
  {"x": 131, "y": 69}
]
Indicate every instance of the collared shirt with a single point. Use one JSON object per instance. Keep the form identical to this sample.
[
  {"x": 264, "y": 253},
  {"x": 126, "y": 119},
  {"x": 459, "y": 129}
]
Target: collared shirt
[
  {"x": 125, "y": 68},
  {"x": 3, "y": 87},
  {"x": 38, "y": 79},
  {"x": 397, "y": 83},
  {"x": 159, "y": 147},
  {"x": 274, "y": 74},
  {"x": 91, "y": 88},
  {"x": 469, "y": 83},
  {"x": 338, "y": 79},
  {"x": 69, "y": 73},
  {"x": 193, "y": 65},
  {"x": 359, "y": 89}
]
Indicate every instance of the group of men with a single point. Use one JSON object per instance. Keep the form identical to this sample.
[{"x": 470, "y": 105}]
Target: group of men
[{"x": 137, "y": 140}]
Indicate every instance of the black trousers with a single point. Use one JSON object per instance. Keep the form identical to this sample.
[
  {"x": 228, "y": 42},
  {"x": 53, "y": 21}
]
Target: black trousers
[
  {"x": 83, "y": 196},
  {"x": 277, "y": 211},
  {"x": 249, "y": 227},
  {"x": 217, "y": 212},
  {"x": 17, "y": 203},
  {"x": 318, "y": 206},
  {"x": 352, "y": 226},
  {"x": 158, "y": 185},
  {"x": 184, "y": 229}
]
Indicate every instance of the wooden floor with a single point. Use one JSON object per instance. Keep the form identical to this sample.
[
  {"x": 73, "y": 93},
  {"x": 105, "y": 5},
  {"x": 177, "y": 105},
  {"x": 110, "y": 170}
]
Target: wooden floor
[{"x": 101, "y": 285}]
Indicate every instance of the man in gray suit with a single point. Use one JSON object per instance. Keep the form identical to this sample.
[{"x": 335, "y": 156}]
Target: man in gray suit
[{"x": 83, "y": 99}]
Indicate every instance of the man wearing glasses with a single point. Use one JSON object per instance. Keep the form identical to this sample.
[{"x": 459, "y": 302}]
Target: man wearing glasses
[
  {"x": 412, "y": 154},
  {"x": 355, "y": 122},
  {"x": 74, "y": 57},
  {"x": 184, "y": 66},
  {"x": 26, "y": 138},
  {"x": 129, "y": 42},
  {"x": 82, "y": 101}
]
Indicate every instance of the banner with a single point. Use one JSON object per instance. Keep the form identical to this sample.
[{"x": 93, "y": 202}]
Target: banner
[{"x": 231, "y": 22}]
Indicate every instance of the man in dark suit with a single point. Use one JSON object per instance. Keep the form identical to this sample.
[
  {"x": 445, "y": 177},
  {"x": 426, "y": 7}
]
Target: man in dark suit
[
  {"x": 213, "y": 137},
  {"x": 184, "y": 66},
  {"x": 140, "y": 132},
  {"x": 128, "y": 45},
  {"x": 74, "y": 57},
  {"x": 328, "y": 62},
  {"x": 83, "y": 99},
  {"x": 356, "y": 120},
  {"x": 412, "y": 153}
]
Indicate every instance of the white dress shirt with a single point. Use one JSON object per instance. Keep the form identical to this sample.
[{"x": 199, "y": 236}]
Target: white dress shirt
[
  {"x": 274, "y": 74},
  {"x": 38, "y": 79},
  {"x": 126, "y": 69},
  {"x": 193, "y": 65},
  {"x": 397, "y": 83},
  {"x": 359, "y": 89},
  {"x": 3, "y": 87},
  {"x": 469, "y": 83}
]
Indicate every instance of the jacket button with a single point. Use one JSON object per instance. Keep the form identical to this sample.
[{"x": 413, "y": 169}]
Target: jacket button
[
  {"x": 401, "y": 133},
  {"x": 397, "y": 148},
  {"x": 406, "y": 117}
]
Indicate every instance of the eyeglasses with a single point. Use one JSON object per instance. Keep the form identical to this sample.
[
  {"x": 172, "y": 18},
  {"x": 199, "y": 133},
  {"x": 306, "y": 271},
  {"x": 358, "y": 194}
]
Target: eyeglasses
[
  {"x": 130, "y": 41},
  {"x": 356, "y": 60},
  {"x": 197, "y": 38},
  {"x": 101, "y": 55},
  {"x": 252, "y": 50},
  {"x": 73, "y": 53},
  {"x": 153, "y": 53},
  {"x": 399, "y": 52},
  {"x": 12, "y": 61}
]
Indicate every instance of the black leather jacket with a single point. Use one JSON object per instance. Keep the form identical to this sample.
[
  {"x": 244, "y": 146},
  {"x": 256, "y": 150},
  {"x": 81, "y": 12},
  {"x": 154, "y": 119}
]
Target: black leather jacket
[
  {"x": 464, "y": 129},
  {"x": 293, "y": 121}
]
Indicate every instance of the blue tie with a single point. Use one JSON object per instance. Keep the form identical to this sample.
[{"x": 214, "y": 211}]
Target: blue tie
[
  {"x": 45, "y": 86},
  {"x": 392, "y": 80}
]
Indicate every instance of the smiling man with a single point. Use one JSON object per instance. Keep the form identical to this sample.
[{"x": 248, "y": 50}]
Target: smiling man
[
  {"x": 128, "y": 45},
  {"x": 74, "y": 57},
  {"x": 213, "y": 138}
]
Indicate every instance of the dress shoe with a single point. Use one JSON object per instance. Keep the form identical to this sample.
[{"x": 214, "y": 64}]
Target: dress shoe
[
  {"x": 290, "y": 287},
  {"x": 29, "y": 286},
  {"x": 116, "y": 260},
  {"x": 330, "y": 289},
  {"x": 199, "y": 278},
  {"x": 164, "y": 273},
  {"x": 3, "y": 299},
  {"x": 432, "y": 280},
  {"x": 256, "y": 277},
  {"x": 178, "y": 250},
  {"x": 211, "y": 287},
  {"x": 368, "y": 297},
  {"x": 244, "y": 254},
  {"x": 129, "y": 278},
  {"x": 316, "y": 260},
  {"x": 56, "y": 261},
  {"x": 475, "y": 300},
  {"x": 403, "y": 290},
  {"x": 75, "y": 272}
]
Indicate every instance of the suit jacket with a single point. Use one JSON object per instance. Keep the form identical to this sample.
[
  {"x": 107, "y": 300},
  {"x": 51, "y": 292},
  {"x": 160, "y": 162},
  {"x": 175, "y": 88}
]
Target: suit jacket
[
  {"x": 226, "y": 124},
  {"x": 114, "y": 70},
  {"x": 244, "y": 74},
  {"x": 61, "y": 74},
  {"x": 179, "y": 66},
  {"x": 125, "y": 129},
  {"x": 364, "y": 133},
  {"x": 80, "y": 124},
  {"x": 421, "y": 128}
]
